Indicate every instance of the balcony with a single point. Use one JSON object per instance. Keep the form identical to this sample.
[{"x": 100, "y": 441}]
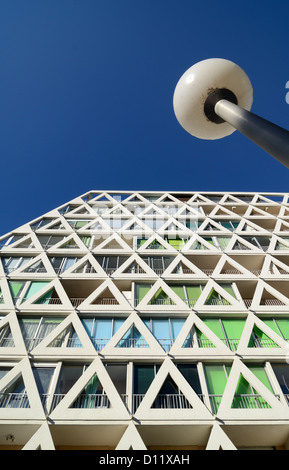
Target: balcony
[
  {"x": 14, "y": 400},
  {"x": 132, "y": 402},
  {"x": 250, "y": 401}
]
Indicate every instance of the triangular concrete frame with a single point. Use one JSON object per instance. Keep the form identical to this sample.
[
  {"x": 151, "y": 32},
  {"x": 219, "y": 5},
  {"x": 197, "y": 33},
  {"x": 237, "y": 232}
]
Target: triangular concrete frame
[
  {"x": 219, "y": 440},
  {"x": 70, "y": 272},
  {"x": 249, "y": 223},
  {"x": 225, "y": 259},
  {"x": 282, "y": 241},
  {"x": 247, "y": 245},
  {"x": 135, "y": 197},
  {"x": 284, "y": 212},
  {"x": 103, "y": 197},
  {"x": 198, "y": 238},
  {"x": 90, "y": 226},
  {"x": 243, "y": 348},
  {"x": 160, "y": 284},
  {"x": 154, "y": 348},
  {"x": 155, "y": 237},
  {"x": 230, "y": 198},
  {"x": 225, "y": 412},
  {"x": 131, "y": 439},
  {"x": 135, "y": 258},
  {"x": 123, "y": 303},
  {"x": 260, "y": 198},
  {"x": 180, "y": 258},
  {"x": 254, "y": 211},
  {"x": 35, "y": 410},
  {"x": 51, "y": 225},
  {"x": 192, "y": 321},
  {"x": 118, "y": 209},
  {"x": 219, "y": 228},
  {"x": 146, "y": 412},
  {"x": 15, "y": 245},
  {"x": 19, "y": 348},
  {"x": 44, "y": 348},
  {"x": 43, "y": 258},
  {"x": 152, "y": 209},
  {"x": 188, "y": 211},
  {"x": 282, "y": 226},
  {"x": 199, "y": 198},
  {"x": 117, "y": 410},
  {"x": 79, "y": 210},
  {"x": 41, "y": 440},
  {"x": 213, "y": 285},
  {"x": 271, "y": 260},
  {"x": 170, "y": 197},
  {"x": 61, "y": 245},
  {"x": 221, "y": 210},
  {"x": 140, "y": 226},
  {"x": 261, "y": 286},
  {"x": 102, "y": 247},
  {"x": 64, "y": 299},
  {"x": 6, "y": 295},
  {"x": 178, "y": 227}
]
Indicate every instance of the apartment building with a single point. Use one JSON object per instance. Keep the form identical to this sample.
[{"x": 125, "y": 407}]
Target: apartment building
[{"x": 145, "y": 321}]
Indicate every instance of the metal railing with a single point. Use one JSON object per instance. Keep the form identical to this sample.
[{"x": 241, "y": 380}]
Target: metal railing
[
  {"x": 14, "y": 400},
  {"x": 262, "y": 343},
  {"x": 133, "y": 401},
  {"x": 232, "y": 344},
  {"x": 163, "y": 401},
  {"x": 217, "y": 302},
  {"x": 249, "y": 401},
  {"x": 132, "y": 343},
  {"x": 271, "y": 302},
  {"x": 90, "y": 401},
  {"x": 6, "y": 342}
]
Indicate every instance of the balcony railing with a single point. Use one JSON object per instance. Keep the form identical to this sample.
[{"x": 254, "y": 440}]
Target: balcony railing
[
  {"x": 244, "y": 401},
  {"x": 232, "y": 344},
  {"x": 14, "y": 400},
  {"x": 6, "y": 342},
  {"x": 262, "y": 343},
  {"x": 133, "y": 401},
  {"x": 76, "y": 301},
  {"x": 163, "y": 401}
]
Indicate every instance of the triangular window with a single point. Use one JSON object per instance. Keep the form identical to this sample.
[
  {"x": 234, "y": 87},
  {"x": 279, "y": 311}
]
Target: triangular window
[
  {"x": 132, "y": 339},
  {"x": 170, "y": 396},
  {"x": 92, "y": 396}
]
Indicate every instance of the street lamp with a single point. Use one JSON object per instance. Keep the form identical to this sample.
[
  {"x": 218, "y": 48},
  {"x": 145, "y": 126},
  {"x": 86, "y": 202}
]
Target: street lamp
[{"x": 213, "y": 98}]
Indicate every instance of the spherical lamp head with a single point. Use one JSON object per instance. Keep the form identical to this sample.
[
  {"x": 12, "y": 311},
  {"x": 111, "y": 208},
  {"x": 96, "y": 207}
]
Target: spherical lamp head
[{"x": 198, "y": 90}]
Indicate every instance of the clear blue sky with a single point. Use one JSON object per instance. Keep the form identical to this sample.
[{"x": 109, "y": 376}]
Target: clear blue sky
[{"x": 86, "y": 91}]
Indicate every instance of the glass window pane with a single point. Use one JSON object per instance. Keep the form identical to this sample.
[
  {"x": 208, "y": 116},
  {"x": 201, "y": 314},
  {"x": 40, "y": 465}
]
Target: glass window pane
[
  {"x": 193, "y": 292},
  {"x": 284, "y": 327},
  {"x": 215, "y": 326},
  {"x": 190, "y": 372},
  {"x": 103, "y": 328},
  {"x": 69, "y": 375},
  {"x": 260, "y": 373},
  {"x": 233, "y": 328},
  {"x": 143, "y": 377},
  {"x": 117, "y": 322},
  {"x": 34, "y": 288},
  {"x": 176, "y": 326},
  {"x": 160, "y": 328},
  {"x": 216, "y": 379},
  {"x": 43, "y": 377}
]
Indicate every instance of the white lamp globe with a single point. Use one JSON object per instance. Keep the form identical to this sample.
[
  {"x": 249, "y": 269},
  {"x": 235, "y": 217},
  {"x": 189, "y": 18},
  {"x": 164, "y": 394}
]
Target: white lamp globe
[{"x": 212, "y": 77}]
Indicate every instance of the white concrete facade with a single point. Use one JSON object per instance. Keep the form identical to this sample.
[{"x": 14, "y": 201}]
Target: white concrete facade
[{"x": 117, "y": 316}]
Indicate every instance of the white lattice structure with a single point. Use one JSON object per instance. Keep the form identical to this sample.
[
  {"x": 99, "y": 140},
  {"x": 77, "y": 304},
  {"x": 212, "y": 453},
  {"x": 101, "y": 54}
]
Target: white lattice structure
[{"x": 147, "y": 320}]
